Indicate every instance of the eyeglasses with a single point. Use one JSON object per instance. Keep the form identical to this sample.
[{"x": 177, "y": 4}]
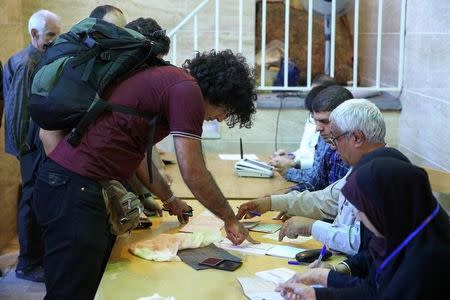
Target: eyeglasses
[{"x": 334, "y": 140}]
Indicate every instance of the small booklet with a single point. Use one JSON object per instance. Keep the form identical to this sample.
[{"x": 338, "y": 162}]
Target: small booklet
[{"x": 266, "y": 227}]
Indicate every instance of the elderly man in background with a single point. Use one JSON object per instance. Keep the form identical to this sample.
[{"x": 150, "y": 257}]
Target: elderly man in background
[{"x": 22, "y": 139}]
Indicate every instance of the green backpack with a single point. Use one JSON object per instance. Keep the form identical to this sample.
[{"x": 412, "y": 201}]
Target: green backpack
[{"x": 73, "y": 73}]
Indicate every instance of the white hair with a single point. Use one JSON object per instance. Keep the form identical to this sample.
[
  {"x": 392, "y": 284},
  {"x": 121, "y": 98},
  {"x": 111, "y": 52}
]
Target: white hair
[
  {"x": 360, "y": 115},
  {"x": 39, "y": 20}
]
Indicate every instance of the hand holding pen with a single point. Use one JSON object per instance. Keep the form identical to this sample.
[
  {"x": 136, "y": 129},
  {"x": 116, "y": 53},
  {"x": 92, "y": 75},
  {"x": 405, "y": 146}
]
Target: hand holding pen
[
  {"x": 322, "y": 253},
  {"x": 253, "y": 208},
  {"x": 318, "y": 262},
  {"x": 179, "y": 208}
]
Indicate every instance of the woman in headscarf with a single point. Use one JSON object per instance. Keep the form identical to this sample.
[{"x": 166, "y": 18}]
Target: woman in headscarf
[{"x": 411, "y": 244}]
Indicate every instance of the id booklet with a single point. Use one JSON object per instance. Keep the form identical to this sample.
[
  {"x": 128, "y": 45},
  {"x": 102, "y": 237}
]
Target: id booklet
[{"x": 253, "y": 168}]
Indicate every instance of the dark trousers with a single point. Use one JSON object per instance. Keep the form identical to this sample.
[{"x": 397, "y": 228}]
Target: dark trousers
[
  {"x": 75, "y": 230},
  {"x": 29, "y": 233}
]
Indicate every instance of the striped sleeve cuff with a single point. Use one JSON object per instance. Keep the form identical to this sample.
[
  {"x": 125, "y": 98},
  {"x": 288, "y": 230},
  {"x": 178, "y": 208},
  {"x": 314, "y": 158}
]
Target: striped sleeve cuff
[{"x": 186, "y": 134}]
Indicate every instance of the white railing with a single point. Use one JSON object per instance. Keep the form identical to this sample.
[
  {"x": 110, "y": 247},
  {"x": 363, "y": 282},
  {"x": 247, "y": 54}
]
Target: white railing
[{"x": 329, "y": 45}]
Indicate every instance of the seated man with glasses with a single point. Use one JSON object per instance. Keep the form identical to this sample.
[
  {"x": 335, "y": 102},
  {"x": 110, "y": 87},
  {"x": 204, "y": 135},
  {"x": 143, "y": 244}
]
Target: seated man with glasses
[
  {"x": 303, "y": 157},
  {"x": 327, "y": 166},
  {"x": 357, "y": 131}
]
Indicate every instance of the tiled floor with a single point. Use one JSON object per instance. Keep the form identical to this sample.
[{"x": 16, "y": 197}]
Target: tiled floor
[{"x": 12, "y": 288}]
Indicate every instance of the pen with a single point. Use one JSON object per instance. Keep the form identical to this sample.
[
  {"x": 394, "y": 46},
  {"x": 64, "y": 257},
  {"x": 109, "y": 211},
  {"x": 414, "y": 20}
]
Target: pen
[
  {"x": 185, "y": 213},
  {"x": 322, "y": 254},
  {"x": 293, "y": 262},
  {"x": 253, "y": 212}
]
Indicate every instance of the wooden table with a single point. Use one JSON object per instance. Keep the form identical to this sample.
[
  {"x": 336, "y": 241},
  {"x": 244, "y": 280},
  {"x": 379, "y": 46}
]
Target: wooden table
[
  {"x": 231, "y": 185},
  {"x": 130, "y": 277},
  {"x": 439, "y": 180}
]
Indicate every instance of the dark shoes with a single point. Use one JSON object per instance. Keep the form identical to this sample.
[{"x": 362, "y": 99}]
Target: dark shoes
[{"x": 36, "y": 274}]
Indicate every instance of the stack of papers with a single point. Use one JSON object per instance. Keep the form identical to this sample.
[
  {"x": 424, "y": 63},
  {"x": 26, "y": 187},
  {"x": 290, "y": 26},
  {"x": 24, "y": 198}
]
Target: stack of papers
[
  {"x": 262, "y": 287},
  {"x": 261, "y": 249}
]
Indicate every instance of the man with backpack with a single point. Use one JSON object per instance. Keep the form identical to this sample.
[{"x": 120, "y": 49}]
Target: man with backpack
[
  {"x": 68, "y": 196},
  {"x": 21, "y": 138},
  {"x": 149, "y": 28}
]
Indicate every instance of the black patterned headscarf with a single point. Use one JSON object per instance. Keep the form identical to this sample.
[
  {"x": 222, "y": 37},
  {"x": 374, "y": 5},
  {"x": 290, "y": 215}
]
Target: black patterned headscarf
[{"x": 396, "y": 197}]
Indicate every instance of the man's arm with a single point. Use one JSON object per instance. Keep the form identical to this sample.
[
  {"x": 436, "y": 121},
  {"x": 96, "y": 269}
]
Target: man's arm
[
  {"x": 202, "y": 185},
  {"x": 317, "y": 205},
  {"x": 199, "y": 180},
  {"x": 310, "y": 179},
  {"x": 340, "y": 237}
]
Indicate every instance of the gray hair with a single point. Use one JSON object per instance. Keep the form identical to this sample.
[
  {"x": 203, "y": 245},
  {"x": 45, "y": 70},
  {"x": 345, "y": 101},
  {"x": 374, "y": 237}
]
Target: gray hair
[
  {"x": 39, "y": 20},
  {"x": 360, "y": 115}
]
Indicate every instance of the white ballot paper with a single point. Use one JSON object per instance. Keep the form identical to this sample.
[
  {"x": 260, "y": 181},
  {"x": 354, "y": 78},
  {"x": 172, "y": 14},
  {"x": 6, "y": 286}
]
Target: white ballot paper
[
  {"x": 299, "y": 240},
  {"x": 261, "y": 249},
  {"x": 262, "y": 287}
]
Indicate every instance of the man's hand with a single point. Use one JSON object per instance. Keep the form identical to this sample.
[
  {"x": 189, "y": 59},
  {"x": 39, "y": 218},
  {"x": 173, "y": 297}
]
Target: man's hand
[
  {"x": 316, "y": 264},
  {"x": 150, "y": 204},
  {"x": 312, "y": 276},
  {"x": 260, "y": 205},
  {"x": 296, "y": 226},
  {"x": 282, "y": 163},
  {"x": 283, "y": 216},
  {"x": 296, "y": 291},
  {"x": 179, "y": 208},
  {"x": 237, "y": 233},
  {"x": 279, "y": 152}
]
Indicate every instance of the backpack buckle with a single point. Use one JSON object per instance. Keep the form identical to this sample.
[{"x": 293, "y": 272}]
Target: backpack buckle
[
  {"x": 74, "y": 137},
  {"x": 106, "y": 55}
]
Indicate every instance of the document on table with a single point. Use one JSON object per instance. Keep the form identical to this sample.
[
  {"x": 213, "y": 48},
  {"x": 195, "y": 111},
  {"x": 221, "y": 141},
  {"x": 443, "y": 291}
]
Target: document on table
[
  {"x": 266, "y": 227},
  {"x": 299, "y": 240},
  {"x": 262, "y": 287},
  {"x": 261, "y": 249},
  {"x": 237, "y": 156},
  {"x": 206, "y": 221}
]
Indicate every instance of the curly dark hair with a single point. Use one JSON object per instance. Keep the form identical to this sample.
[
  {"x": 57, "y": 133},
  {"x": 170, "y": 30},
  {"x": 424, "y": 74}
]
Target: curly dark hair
[
  {"x": 226, "y": 81},
  {"x": 149, "y": 28}
]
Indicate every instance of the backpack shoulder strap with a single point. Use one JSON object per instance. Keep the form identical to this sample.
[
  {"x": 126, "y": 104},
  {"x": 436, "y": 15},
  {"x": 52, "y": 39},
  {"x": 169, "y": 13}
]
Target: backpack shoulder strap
[{"x": 97, "y": 107}]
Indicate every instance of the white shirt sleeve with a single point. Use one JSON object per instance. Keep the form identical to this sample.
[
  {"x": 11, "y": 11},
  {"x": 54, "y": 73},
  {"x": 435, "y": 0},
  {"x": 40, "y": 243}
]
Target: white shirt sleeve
[
  {"x": 343, "y": 235},
  {"x": 305, "y": 153},
  {"x": 339, "y": 237}
]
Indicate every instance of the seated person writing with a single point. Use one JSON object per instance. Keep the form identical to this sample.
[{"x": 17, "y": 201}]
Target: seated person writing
[{"x": 410, "y": 250}]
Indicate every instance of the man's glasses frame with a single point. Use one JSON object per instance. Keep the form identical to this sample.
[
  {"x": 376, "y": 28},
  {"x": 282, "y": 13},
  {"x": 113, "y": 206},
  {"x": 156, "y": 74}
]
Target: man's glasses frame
[{"x": 334, "y": 140}]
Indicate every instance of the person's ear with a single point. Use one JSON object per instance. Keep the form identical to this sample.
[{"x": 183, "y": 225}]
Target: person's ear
[
  {"x": 34, "y": 34},
  {"x": 358, "y": 137}
]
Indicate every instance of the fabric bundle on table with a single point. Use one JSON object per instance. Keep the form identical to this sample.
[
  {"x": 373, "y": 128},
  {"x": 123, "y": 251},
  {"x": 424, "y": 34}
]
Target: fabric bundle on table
[{"x": 164, "y": 247}]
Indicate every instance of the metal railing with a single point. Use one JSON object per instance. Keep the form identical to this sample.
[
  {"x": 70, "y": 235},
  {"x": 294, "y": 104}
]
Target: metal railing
[{"x": 330, "y": 47}]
